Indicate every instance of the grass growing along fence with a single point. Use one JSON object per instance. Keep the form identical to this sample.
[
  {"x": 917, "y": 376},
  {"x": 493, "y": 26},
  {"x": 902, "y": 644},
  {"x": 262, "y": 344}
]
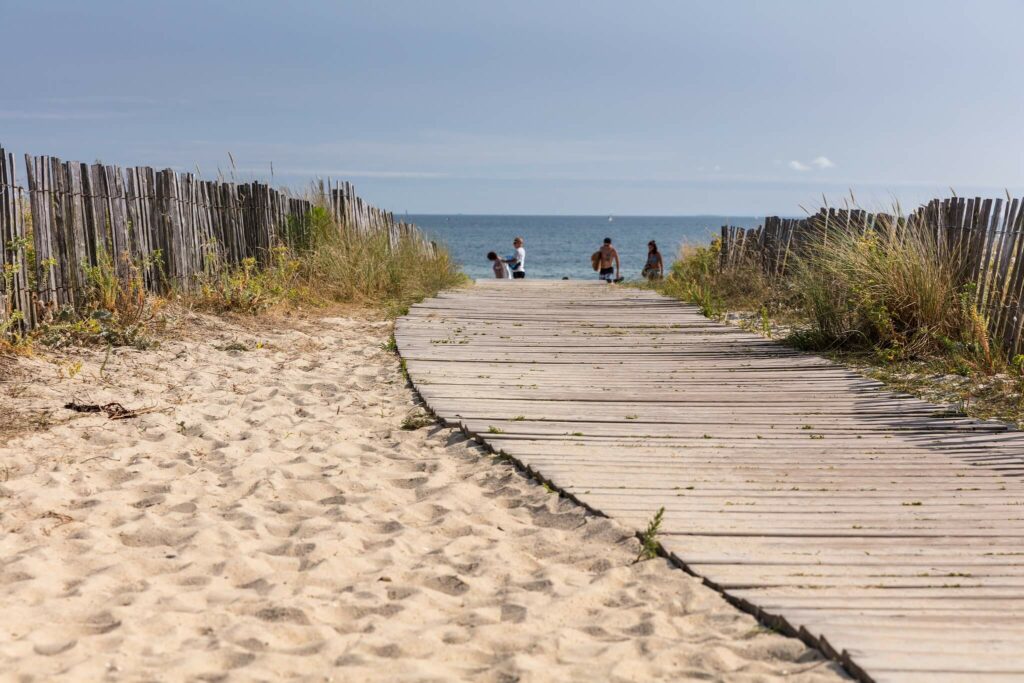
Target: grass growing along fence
[
  {"x": 896, "y": 292},
  {"x": 112, "y": 246},
  {"x": 893, "y": 288},
  {"x": 249, "y": 287},
  {"x": 332, "y": 263},
  {"x": 335, "y": 265},
  {"x": 370, "y": 268},
  {"x": 696, "y": 276}
]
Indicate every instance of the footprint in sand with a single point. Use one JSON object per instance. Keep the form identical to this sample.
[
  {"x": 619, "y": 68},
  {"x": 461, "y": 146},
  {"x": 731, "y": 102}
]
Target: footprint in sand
[
  {"x": 148, "y": 501},
  {"x": 413, "y": 483},
  {"x": 149, "y": 536},
  {"x": 261, "y": 586},
  {"x": 98, "y": 624},
  {"x": 512, "y": 613},
  {"x": 54, "y": 647},
  {"x": 282, "y": 614},
  {"x": 448, "y": 584}
]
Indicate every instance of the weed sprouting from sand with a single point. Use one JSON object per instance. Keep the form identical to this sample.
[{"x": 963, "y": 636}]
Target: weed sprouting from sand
[
  {"x": 495, "y": 430},
  {"x": 391, "y": 345},
  {"x": 649, "y": 545},
  {"x": 415, "y": 421}
]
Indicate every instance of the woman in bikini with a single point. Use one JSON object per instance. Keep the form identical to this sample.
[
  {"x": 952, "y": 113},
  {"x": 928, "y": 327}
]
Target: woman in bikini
[{"x": 654, "y": 269}]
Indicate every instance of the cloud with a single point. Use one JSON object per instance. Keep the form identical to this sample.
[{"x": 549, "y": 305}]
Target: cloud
[{"x": 821, "y": 163}]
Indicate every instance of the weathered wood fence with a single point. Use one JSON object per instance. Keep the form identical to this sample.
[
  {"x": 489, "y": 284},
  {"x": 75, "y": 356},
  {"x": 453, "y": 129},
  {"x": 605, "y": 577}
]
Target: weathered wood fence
[
  {"x": 170, "y": 226},
  {"x": 983, "y": 240}
]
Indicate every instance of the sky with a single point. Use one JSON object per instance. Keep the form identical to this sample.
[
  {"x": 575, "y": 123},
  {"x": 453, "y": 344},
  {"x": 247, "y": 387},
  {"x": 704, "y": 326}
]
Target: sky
[{"x": 734, "y": 107}]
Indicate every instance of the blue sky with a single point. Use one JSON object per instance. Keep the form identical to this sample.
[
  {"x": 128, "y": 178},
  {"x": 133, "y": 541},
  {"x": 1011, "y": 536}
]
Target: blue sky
[{"x": 726, "y": 106}]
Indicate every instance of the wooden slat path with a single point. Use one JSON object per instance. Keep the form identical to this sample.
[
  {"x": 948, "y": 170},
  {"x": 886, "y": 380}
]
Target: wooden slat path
[{"x": 885, "y": 530}]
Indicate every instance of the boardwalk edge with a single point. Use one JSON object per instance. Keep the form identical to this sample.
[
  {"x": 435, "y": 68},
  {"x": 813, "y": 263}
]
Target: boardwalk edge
[{"x": 773, "y": 621}]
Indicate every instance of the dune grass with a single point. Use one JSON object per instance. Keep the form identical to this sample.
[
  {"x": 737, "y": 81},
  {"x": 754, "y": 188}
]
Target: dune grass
[
  {"x": 333, "y": 265},
  {"x": 353, "y": 267},
  {"x": 330, "y": 264},
  {"x": 695, "y": 276},
  {"x": 890, "y": 292},
  {"x": 894, "y": 291}
]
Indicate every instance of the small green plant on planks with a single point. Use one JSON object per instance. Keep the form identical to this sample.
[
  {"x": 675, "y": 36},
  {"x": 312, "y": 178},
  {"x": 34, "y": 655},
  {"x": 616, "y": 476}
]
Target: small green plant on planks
[{"x": 649, "y": 545}]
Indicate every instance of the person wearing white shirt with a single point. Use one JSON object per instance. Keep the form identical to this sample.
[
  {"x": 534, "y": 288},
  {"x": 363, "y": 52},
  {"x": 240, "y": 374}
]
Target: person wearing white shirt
[{"x": 517, "y": 261}]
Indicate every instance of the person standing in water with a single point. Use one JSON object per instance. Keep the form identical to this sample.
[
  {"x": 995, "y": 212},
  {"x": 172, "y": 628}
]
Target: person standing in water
[
  {"x": 517, "y": 261},
  {"x": 608, "y": 262},
  {"x": 654, "y": 269}
]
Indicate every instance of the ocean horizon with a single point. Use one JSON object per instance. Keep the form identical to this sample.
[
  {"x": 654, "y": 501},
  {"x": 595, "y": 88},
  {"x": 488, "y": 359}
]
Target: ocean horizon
[{"x": 559, "y": 246}]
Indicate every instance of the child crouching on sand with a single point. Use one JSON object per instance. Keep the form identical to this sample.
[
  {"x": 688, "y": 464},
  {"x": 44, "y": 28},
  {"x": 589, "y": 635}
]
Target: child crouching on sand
[{"x": 500, "y": 269}]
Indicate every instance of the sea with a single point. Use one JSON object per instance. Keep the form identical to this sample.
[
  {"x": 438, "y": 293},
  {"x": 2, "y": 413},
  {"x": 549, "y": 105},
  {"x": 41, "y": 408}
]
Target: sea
[{"x": 560, "y": 246}]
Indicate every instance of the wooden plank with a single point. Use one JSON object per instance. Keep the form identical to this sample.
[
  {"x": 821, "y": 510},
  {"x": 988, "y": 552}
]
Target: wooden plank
[{"x": 896, "y": 513}]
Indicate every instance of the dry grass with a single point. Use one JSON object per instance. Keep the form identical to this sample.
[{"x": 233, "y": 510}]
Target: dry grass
[
  {"x": 892, "y": 290},
  {"x": 331, "y": 268},
  {"x": 696, "y": 277},
  {"x": 885, "y": 301},
  {"x": 336, "y": 266},
  {"x": 349, "y": 266}
]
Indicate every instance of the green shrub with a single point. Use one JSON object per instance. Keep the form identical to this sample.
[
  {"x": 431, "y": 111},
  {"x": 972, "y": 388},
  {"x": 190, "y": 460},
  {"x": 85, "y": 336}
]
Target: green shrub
[
  {"x": 249, "y": 287},
  {"x": 115, "y": 310}
]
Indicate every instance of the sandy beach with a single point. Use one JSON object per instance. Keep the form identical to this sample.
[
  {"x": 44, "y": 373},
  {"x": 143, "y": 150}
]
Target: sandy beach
[{"x": 271, "y": 520}]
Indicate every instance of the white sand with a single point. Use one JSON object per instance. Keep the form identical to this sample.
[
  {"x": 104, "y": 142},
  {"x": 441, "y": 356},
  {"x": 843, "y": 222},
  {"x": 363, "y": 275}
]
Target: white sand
[{"x": 274, "y": 522}]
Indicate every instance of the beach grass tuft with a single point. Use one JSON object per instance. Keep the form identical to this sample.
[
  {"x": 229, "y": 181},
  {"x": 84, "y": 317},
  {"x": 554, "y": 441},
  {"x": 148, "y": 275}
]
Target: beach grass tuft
[
  {"x": 890, "y": 290},
  {"x": 335, "y": 264}
]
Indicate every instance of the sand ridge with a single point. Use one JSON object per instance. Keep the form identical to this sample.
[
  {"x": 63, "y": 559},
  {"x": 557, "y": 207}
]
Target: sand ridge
[{"x": 272, "y": 521}]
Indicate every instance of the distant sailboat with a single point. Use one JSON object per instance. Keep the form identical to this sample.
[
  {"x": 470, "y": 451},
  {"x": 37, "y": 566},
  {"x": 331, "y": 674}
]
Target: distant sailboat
[{"x": 610, "y": 219}]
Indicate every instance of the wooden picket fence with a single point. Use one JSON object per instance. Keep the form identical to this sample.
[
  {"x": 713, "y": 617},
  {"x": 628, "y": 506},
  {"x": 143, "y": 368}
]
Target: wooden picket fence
[
  {"x": 982, "y": 238},
  {"x": 167, "y": 227}
]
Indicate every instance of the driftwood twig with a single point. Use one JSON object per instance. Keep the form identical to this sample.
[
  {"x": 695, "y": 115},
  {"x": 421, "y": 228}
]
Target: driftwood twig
[{"x": 114, "y": 411}]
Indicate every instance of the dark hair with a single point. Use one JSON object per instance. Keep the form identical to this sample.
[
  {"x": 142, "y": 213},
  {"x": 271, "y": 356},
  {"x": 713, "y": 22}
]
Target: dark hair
[
  {"x": 654, "y": 244},
  {"x": 607, "y": 240},
  {"x": 491, "y": 256}
]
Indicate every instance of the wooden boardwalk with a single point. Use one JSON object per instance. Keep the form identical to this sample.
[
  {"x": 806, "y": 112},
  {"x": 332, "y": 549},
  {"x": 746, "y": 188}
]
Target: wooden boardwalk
[{"x": 883, "y": 529}]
